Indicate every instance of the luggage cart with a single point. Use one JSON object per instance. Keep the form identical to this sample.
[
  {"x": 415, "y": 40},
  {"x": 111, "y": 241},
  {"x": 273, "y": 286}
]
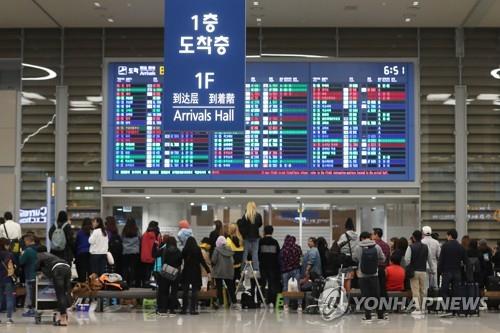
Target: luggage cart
[{"x": 45, "y": 299}]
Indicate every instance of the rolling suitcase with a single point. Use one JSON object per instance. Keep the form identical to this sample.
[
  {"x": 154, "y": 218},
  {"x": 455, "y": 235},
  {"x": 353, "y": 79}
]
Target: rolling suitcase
[
  {"x": 470, "y": 298},
  {"x": 433, "y": 299}
]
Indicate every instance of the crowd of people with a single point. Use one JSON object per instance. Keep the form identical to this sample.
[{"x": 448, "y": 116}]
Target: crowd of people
[{"x": 170, "y": 262}]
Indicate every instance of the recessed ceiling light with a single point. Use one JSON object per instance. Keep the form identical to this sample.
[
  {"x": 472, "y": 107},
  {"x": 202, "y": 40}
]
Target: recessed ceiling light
[
  {"x": 111, "y": 20},
  {"x": 147, "y": 198},
  {"x": 298, "y": 198},
  {"x": 407, "y": 19},
  {"x": 97, "y": 4},
  {"x": 488, "y": 97},
  {"x": 259, "y": 19},
  {"x": 223, "y": 198},
  {"x": 255, "y": 3},
  {"x": 191, "y": 204},
  {"x": 438, "y": 97},
  {"x": 496, "y": 73},
  {"x": 415, "y": 3},
  {"x": 373, "y": 198}
]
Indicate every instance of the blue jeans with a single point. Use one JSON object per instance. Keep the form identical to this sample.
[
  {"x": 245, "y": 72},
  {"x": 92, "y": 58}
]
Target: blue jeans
[
  {"x": 287, "y": 276},
  {"x": 251, "y": 246},
  {"x": 30, "y": 294},
  {"x": 7, "y": 290}
]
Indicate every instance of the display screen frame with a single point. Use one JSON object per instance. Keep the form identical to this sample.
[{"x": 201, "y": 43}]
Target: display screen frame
[{"x": 322, "y": 183}]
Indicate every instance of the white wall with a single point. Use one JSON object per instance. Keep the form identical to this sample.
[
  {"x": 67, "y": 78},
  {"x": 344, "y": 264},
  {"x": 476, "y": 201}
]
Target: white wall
[{"x": 167, "y": 214}]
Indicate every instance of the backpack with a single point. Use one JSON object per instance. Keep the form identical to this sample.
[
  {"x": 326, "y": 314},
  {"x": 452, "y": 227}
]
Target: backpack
[
  {"x": 115, "y": 245},
  {"x": 369, "y": 260},
  {"x": 59, "y": 238}
]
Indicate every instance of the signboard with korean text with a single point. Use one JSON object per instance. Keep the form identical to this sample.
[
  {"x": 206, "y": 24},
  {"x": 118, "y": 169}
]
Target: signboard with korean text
[{"x": 204, "y": 65}]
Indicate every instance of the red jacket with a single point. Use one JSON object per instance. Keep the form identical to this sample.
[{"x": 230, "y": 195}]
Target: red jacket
[{"x": 149, "y": 239}]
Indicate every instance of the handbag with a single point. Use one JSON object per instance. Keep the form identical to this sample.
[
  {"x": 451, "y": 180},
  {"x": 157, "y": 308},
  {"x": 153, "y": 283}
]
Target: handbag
[
  {"x": 110, "y": 259},
  {"x": 168, "y": 272}
]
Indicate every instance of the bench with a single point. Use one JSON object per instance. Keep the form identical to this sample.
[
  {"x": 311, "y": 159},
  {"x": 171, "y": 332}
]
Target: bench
[{"x": 141, "y": 293}]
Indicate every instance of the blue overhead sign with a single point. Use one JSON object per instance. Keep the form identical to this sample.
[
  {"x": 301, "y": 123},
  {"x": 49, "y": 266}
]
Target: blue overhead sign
[{"x": 204, "y": 54}]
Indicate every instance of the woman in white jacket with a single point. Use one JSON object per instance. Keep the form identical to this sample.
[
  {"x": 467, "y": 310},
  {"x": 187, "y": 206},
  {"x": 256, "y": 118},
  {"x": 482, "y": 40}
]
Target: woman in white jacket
[{"x": 98, "y": 241}]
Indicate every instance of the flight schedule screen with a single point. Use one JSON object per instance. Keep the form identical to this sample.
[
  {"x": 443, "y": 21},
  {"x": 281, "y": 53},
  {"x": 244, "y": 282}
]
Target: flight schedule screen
[{"x": 321, "y": 121}]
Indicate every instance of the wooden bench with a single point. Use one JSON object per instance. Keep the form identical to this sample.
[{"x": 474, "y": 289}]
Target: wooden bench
[
  {"x": 293, "y": 294},
  {"x": 141, "y": 293}
]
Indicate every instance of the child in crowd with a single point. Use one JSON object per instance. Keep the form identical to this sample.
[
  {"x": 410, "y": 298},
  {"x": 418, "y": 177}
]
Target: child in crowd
[{"x": 28, "y": 261}]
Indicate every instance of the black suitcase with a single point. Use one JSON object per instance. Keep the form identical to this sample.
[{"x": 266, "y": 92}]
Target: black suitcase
[
  {"x": 432, "y": 300},
  {"x": 248, "y": 301},
  {"x": 470, "y": 299}
]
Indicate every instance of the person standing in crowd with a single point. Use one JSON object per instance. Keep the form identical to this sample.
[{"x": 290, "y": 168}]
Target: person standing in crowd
[
  {"x": 167, "y": 289},
  {"x": 82, "y": 245},
  {"x": 191, "y": 275},
  {"x": 235, "y": 243},
  {"x": 28, "y": 262},
  {"x": 214, "y": 234},
  {"x": 269, "y": 251},
  {"x": 334, "y": 260},
  {"x": 417, "y": 257},
  {"x": 348, "y": 241},
  {"x": 184, "y": 233},
  {"x": 377, "y": 238},
  {"x": 465, "y": 242},
  {"x": 12, "y": 231},
  {"x": 205, "y": 251},
  {"x": 487, "y": 261},
  {"x": 474, "y": 270},
  {"x": 453, "y": 258},
  {"x": 434, "y": 252},
  {"x": 369, "y": 257},
  {"x": 394, "y": 244},
  {"x": 115, "y": 243},
  {"x": 312, "y": 261},
  {"x": 99, "y": 243},
  {"x": 400, "y": 250},
  {"x": 496, "y": 258},
  {"x": 290, "y": 255},
  {"x": 61, "y": 238},
  {"x": 150, "y": 240},
  {"x": 131, "y": 249},
  {"x": 59, "y": 271},
  {"x": 249, "y": 226},
  {"x": 395, "y": 274},
  {"x": 223, "y": 271},
  {"x": 7, "y": 287},
  {"x": 322, "y": 246}
]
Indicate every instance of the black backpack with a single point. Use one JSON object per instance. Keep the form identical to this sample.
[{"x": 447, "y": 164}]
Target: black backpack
[
  {"x": 115, "y": 245},
  {"x": 369, "y": 260}
]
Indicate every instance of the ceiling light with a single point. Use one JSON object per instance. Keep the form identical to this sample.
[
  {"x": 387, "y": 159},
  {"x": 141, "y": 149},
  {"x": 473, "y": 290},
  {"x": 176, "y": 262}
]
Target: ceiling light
[
  {"x": 111, "y": 20},
  {"x": 415, "y": 3},
  {"x": 97, "y": 4},
  {"x": 80, "y": 103},
  {"x": 32, "y": 95},
  {"x": 191, "y": 204},
  {"x": 496, "y": 102},
  {"x": 407, "y": 19},
  {"x": 223, "y": 198},
  {"x": 373, "y": 198},
  {"x": 259, "y": 19},
  {"x": 255, "y": 3},
  {"x": 50, "y": 73},
  {"x": 26, "y": 101},
  {"x": 488, "y": 97},
  {"x": 94, "y": 99},
  {"x": 83, "y": 109},
  {"x": 438, "y": 97},
  {"x": 253, "y": 56},
  {"x": 496, "y": 109},
  {"x": 78, "y": 188},
  {"x": 298, "y": 198},
  {"x": 496, "y": 73},
  {"x": 147, "y": 198}
]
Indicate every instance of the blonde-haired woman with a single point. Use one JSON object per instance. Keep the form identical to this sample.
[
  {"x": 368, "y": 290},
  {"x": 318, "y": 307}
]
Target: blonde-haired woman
[
  {"x": 249, "y": 226},
  {"x": 235, "y": 243}
]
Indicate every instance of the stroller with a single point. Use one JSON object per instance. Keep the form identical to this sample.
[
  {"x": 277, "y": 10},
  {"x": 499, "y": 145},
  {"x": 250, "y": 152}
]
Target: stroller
[{"x": 329, "y": 297}]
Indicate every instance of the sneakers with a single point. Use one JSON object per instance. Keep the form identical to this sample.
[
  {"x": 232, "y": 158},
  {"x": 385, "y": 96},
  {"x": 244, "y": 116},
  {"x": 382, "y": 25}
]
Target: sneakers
[
  {"x": 9, "y": 321},
  {"x": 285, "y": 308},
  {"x": 384, "y": 318},
  {"x": 416, "y": 313},
  {"x": 235, "y": 307},
  {"x": 29, "y": 313},
  {"x": 366, "y": 320}
]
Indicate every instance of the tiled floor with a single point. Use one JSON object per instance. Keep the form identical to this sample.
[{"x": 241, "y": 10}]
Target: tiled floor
[{"x": 252, "y": 321}]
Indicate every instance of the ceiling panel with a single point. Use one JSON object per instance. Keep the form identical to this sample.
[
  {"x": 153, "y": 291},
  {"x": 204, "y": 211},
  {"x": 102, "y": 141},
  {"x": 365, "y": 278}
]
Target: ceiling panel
[{"x": 274, "y": 13}]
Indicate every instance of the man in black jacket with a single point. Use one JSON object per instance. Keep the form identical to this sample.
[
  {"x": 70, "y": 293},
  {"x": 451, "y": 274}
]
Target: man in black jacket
[
  {"x": 59, "y": 271},
  {"x": 453, "y": 258},
  {"x": 269, "y": 251}
]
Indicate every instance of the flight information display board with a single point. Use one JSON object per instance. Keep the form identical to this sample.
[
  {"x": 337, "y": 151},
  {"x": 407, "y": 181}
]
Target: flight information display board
[{"x": 321, "y": 121}]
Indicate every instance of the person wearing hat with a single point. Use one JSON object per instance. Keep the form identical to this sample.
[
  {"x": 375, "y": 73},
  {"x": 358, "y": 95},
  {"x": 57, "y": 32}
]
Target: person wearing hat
[
  {"x": 185, "y": 232},
  {"x": 434, "y": 253}
]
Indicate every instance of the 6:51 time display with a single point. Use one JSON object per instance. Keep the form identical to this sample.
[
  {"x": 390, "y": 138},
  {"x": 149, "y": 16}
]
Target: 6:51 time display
[{"x": 394, "y": 70}]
